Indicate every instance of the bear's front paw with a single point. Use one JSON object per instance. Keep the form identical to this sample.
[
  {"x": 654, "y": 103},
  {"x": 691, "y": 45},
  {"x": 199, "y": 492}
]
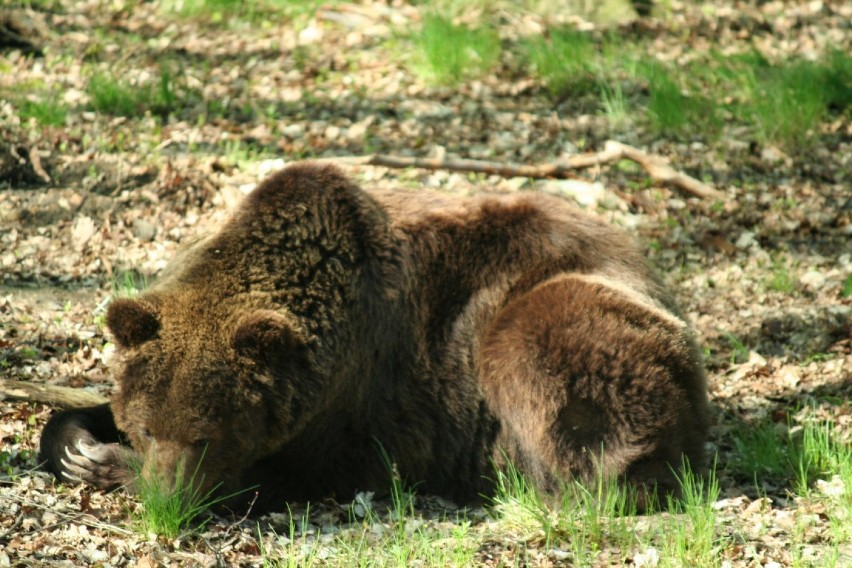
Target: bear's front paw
[{"x": 104, "y": 466}]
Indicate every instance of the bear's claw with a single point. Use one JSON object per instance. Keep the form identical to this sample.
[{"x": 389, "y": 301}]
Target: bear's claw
[{"x": 101, "y": 465}]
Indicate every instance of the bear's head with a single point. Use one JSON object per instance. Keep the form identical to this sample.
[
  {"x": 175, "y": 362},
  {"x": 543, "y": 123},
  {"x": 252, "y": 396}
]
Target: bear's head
[{"x": 206, "y": 391}]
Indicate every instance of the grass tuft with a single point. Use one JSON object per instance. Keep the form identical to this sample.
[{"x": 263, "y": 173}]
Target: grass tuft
[
  {"x": 821, "y": 454},
  {"x": 520, "y": 504},
  {"x": 125, "y": 284},
  {"x": 221, "y": 11},
  {"x": 112, "y": 95},
  {"x": 169, "y": 510},
  {"x": 449, "y": 53},
  {"x": 788, "y": 103},
  {"x": 564, "y": 61},
  {"x": 694, "y": 542},
  {"x": 847, "y": 287},
  {"x": 594, "y": 518},
  {"x": 49, "y": 111},
  {"x": 781, "y": 281},
  {"x": 614, "y": 103},
  {"x": 764, "y": 452},
  {"x": 779, "y": 454},
  {"x": 166, "y": 510},
  {"x": 838, "y": 80},
  {"x": 301, "y": 550},
  {"x": 672, "y": 111},
  {"x": 826, "y": 462},
  {"x": 739, "y": 350}
]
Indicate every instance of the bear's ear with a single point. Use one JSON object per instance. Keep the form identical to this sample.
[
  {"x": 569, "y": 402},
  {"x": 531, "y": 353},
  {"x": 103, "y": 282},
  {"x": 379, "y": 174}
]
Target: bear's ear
[
  {"x": 266, "y": 335},
  {"x": 132, "y": 322}
]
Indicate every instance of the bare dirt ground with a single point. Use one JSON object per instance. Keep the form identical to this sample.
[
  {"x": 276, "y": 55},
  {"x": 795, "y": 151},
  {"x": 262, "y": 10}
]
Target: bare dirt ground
[{"x": 126, "y": 192}]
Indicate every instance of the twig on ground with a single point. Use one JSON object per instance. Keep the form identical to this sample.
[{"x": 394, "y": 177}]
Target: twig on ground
[
  {"x": 217, "y": 551},
  {"x": 654, "y": 166},
  {"x": 35, "y": 161},
  {"x": 82, "y": 518},
  {"x": 12, "y": 528}
]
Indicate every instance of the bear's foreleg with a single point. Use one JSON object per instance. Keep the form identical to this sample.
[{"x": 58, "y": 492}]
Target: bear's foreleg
[{"x": 84, "y": 445}]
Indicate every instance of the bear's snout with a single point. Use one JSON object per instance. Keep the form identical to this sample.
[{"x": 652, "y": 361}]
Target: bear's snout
[{"x": 173, "y": 467}]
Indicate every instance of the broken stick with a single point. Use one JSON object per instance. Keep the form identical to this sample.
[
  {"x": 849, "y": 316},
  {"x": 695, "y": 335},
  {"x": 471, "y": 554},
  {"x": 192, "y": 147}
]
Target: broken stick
[
  {"x": 62, "y": 397},
  {"x": 654, "y": 166}
]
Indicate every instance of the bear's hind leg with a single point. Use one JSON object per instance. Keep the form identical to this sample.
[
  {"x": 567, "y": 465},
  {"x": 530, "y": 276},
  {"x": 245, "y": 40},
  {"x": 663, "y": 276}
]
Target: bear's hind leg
[{"x": 584, "y": 376}]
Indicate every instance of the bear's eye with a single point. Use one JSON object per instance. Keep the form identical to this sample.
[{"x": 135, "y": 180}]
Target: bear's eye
[
  {"x": 147, "y": 434},
  {"x": 201, "y": 443}
]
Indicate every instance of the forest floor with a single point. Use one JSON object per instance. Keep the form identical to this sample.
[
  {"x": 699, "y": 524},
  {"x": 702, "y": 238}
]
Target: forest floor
[{"x": 764, "y": 275}]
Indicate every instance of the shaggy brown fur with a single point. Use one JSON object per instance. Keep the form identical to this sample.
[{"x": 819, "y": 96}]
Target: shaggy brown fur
[{"x": 323, "y": 320}]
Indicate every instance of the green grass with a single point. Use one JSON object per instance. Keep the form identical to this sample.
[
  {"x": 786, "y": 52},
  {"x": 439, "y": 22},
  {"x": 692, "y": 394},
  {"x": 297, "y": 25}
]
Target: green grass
[
  {"x": 300, "y": 551},
  {"x": 126, "y": 284},
  {"x": 448, "y": 53},
  {"x": 739, "y": 350},
  {"x": 615, "y": 104},
  {"x": 48, "y": 111},
  {"x": 216, "y": 11},
  {"x": 520, "y": 505},
  {"x": 172, "y": 509},
  {"x": 788, "y": 103},
  {"x": 113, "y": 95},
  {"x": 34, "y": 4},
  {"x": 239, "y": 153},
  {"x": 838, "y": 81},
  {"x": 212, "y": 8},
  {"x": 591, "y": 520},
  {"x": 565, "y": 61},
  {"x": 840, "y": 514},
  {"x": 674, "y": 112},
  {"x": 691, "y": 538},
  {"x": 169, "y": 512},
  {"x": 780, "y": 279},
  {"x": 782, "y": 103},
  {"x": 398, "y": 536},
  {"x": 402, "y": 501},
  {"x": 588, "y": 523},
  {"x": 825, "y": 462},
  {"x": 847, "y": 287},
  {"x": 811, "y": 461},
  {"x": 764, "y": 453},
  {"x": 597, "y": 517},
  {"x": 821, "y": 455}
]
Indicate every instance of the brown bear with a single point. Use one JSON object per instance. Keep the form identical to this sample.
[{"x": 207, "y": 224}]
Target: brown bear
[{"x": 322, "y": 322}]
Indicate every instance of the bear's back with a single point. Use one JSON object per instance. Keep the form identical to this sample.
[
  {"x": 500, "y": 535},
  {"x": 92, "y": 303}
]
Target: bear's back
[{"x": 467, "y": 255}]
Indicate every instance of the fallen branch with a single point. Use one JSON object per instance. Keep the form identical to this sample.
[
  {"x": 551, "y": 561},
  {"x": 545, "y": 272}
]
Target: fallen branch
[
  {"x": 654, "y": 166},
  {"x": 62, "y": 397}
]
